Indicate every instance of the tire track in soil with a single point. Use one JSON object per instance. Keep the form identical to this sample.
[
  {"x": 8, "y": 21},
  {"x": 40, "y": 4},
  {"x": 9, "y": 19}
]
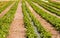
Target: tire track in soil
[
  {"x": 17, "y": 29},
  {"x": 45, "y": 24},
  {"x": 6, "y": 10}
]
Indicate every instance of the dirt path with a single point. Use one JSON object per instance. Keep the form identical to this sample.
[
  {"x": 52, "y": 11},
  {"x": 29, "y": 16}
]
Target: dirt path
[
  {"x": 17, "y": 29},
  {"x": 6, "y": 10},
  {"x": 45, "y": 24},
  {"x": 46, "y": 10}
]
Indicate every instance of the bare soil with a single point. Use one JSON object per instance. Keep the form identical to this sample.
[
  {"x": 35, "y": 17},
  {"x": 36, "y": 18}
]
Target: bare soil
[
  {"x": 17, "y": 29},
  {"x": 45, "y": 24}
]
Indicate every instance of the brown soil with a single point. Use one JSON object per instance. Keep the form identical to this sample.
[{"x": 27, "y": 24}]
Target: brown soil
[
  {"x": 45, "y": 24},
  {"x": 6, "y": 10},
  {"x": 17, "y": 29}
]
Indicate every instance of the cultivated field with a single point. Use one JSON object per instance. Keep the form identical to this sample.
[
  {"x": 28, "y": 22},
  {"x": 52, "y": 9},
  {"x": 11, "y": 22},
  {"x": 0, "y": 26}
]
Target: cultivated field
[{"x": 30, "y": 19}]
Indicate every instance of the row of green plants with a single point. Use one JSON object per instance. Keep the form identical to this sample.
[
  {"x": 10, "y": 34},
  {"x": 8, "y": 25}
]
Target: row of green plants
[
  {"x": 53, "y": 5},
  {"x": 6, "y": 20},
  {"x": 40, "y": 29},
  {"x": 5, "y": 6},
  {"x": 48, "y": 17},
  {"x": 30, "y": 33},
  {"x": 56, "y": 3},
  {"x": 48, "y": 7}
]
